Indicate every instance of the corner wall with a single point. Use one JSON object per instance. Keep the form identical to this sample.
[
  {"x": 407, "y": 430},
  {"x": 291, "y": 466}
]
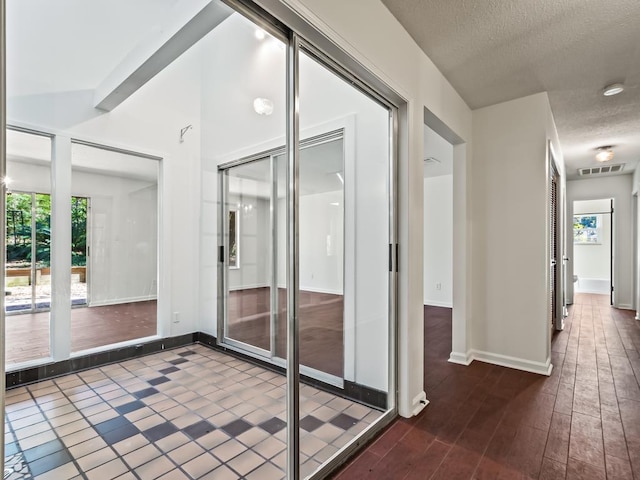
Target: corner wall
[{"x": 511, "y": 234}]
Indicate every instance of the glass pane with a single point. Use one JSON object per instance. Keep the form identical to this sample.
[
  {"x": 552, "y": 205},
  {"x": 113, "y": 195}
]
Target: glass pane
[
  {"x": 249, "y": 276},
  {"x": 114, "y": 243},
  {"x": 344, "y": 278},
  {"x": 28, "y": 213}
]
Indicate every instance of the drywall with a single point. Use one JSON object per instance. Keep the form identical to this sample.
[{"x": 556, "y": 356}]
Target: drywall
[
  {"x": 619, "y": 188},
  {"x": 511, "y": 241},
  {"x": 592, "y": 262},
  {"x": 438, "y": 241}
]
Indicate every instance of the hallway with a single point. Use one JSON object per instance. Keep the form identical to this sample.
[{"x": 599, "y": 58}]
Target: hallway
[{"x": 489, "y": 422}]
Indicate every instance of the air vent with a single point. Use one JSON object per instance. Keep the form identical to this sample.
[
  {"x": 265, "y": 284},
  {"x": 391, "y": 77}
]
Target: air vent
[
  {"x": 605, "y": 169},
  {"x": 431, "y": 161}
]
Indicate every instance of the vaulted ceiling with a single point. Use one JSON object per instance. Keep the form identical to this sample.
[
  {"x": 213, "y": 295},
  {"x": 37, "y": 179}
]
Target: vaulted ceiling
[{"x": 495, "y": 50}]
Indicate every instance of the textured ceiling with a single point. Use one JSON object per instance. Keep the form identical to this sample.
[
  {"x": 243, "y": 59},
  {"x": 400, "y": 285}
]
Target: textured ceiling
[{"x": 497, "y": 50}]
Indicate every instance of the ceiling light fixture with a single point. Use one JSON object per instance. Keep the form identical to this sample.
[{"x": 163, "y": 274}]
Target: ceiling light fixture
[
  {"x": 613, "y": 89},
  {"x": 260, "y": 34},
  {"x": 604, "y": 154},
  {"x": 263, "y": 106}
]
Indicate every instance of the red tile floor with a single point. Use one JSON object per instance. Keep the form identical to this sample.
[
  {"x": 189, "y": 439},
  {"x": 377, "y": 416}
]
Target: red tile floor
[{"x": 490, "y": 422}]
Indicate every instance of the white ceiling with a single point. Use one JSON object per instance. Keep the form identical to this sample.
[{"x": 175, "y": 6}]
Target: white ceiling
[{"x": 497, "y": 50}]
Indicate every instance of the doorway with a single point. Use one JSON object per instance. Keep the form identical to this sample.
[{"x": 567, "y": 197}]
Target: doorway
[
  {"x": 593, "y": 247},
  {"x": 254, "y": 254}
]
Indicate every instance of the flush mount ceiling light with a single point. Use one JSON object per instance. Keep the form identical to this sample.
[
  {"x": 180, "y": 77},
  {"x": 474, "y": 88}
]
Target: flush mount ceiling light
[
  {"x": 260, "y": 34},
  {"x": 263, "y": 106},
  {"x": 604, "y": 154},
  {"x": 613, "y": 89}
]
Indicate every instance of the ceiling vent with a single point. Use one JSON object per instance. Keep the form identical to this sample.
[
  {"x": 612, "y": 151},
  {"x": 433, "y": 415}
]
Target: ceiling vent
[{"x": 605, "y": 169}]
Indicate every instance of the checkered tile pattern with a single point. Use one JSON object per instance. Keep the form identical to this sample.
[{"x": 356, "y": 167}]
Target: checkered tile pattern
[{"x": 189, "y": 413}]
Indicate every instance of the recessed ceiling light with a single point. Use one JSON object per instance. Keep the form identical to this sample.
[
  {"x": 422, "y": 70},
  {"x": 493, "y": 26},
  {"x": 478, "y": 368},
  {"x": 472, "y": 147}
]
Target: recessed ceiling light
[
  {"x": 613, "y": 89},
  {"x": 604, "y": 154}
]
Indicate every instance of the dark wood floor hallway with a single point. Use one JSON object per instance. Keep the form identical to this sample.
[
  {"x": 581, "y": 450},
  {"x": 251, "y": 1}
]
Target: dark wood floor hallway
[{"x": 490, "y": 422}]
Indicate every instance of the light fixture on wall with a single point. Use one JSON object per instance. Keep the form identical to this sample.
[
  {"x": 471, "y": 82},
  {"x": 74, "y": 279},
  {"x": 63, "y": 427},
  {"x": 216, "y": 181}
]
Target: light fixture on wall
[
  {"x": 604, "y": 154},
  {"x": 613, "y": 89},
  {"x": 263, "y": 106}
]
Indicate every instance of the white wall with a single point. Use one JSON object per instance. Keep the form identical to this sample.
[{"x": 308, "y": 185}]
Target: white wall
[
  {"x": 592, "y": 262},
  {"x": 510, "y": 233},
  {"x": 619, "y": 188},
  {"x": 438, "y": 241}
]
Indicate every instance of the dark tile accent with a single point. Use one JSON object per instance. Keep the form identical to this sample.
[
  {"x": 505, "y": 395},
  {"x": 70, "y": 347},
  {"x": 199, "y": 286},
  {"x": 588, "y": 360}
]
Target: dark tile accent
[
  {"x": 130, "y": 407},
  {"x": 187, "y": 353},
  {"x": 178, "y": 361},
  {"x": 158, "y": 381},
  {"x": 343, "y": 421},
  {"x": 31, "y": 375},
  {"x": 237, "y": 427},
  {"x": 117, "y": 422},
  {"x": 273, "y": 425},
  {"x": 160, "y": 431},
  {"x": 310, "y": 423},
  {"x": 167, "y": 370},
  {"x": 147, "y": 392},
  {"x": 198, "y": 429},
  {"x": 119, "y": 434},
  {"x": 40, "y": 451},
  {"x": 44, "y": 464}
]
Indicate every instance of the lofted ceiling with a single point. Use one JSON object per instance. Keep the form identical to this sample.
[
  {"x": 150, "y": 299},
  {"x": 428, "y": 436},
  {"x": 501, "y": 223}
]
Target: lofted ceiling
[{"x": 496, "y": 50}]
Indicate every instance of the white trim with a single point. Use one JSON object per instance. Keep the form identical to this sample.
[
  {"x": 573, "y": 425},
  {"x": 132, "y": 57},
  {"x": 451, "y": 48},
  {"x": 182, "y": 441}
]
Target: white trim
[
  {"x": 513, "y": 362},
  {"x": 625, "y": 306},
  {"x": 249, "y": 287},
  {"x": 418, "y": 403},
  {"x": 112, "y": 346},
  {"x": 118, "y": 301},
  {"x": 461, "y": 358},
  {"x": 321, "y": 290},
  {"x": 436, "y": 303}
]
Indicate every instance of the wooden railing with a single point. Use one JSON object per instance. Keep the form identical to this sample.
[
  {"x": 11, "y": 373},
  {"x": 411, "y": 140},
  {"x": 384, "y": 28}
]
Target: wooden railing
[{"x": 26, "y": 272}]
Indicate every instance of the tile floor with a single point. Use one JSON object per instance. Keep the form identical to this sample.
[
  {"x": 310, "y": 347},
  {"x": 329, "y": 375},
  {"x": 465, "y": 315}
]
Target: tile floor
[
  {"x": 486, "y": 422},
  {"x": 188, "y": 413}
]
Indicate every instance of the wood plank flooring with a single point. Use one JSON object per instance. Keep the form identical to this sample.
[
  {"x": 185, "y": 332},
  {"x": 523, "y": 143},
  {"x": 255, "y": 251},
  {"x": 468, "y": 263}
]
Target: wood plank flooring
[
  {"x": 490, "y": 422},
  {"x": 27, "y": 334}
]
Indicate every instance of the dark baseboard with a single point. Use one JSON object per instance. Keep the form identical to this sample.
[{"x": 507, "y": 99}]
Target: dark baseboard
[{"x": 353, "y": 391}]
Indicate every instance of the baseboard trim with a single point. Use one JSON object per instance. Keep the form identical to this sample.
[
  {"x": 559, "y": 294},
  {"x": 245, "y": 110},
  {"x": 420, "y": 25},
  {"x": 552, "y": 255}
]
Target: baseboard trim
[
  {"x": 461, "y": 358},
  {"x": 513, "y": 362},
  {"x": 120, "y": 301},
  {"x": 419, "y": 403},
  {"x": 625, "y": 306},
  {"x": 435, "y": 303}
]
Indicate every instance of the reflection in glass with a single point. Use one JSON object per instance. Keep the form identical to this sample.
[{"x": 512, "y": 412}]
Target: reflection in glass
[{"x": 114, "y": 238}]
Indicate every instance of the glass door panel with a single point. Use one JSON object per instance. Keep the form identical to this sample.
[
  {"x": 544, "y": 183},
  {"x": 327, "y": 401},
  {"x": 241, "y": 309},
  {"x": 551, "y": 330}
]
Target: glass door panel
[
  {"x": 19, "y": 273},
  {"x": 114, "y": 246},
  {"x": 42, "y": 242},
  {"x": 344, "y": 236},
  {"x": 28, "y": 237},
  {"x": 250, "y": 281}
]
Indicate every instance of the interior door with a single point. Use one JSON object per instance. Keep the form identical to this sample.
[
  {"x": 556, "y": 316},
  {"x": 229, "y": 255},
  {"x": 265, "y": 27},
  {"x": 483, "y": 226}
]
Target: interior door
[{"x": 554, "y": 241}]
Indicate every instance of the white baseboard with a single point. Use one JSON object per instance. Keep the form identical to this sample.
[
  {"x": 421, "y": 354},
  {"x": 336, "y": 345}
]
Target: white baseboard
[
  {"x": 419, "y": 402},
  {"x": 435, "y": 303},
  {"x": 248, "y": 287},
  {"x": 118, "y": 301},
  {"x": 461, "y": 358},
  {"x": 625, "y": 306},
  {"x": 320, "y": 290},
  {"x": 598, "y": 286},
  {"x": 513, "y": 362}
]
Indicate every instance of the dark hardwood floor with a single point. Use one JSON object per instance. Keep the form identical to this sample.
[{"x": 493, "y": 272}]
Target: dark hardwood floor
[
  {"x": 490, "y": 422},
  {"x": 27, "y": 334},
  {"x": 321, "y": 325}
]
